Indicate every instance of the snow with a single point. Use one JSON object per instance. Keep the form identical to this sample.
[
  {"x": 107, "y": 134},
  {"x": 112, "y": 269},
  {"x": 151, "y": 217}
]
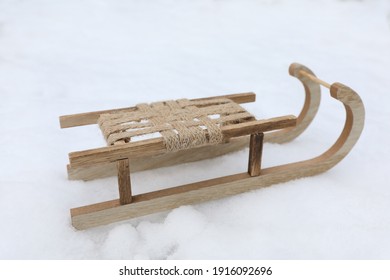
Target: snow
[{"x": 63, "y": 57}]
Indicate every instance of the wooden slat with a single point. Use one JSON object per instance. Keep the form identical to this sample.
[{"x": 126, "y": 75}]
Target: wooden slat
[
  {"x": 245, "y": 97},
  {"x": 92, "y": 117},
  {"x": 110, "y": 211},
  {"x": 166, "y": 159},
  {"x": 255, "y": 152},
  {"x": 251, "y": 127},
  {"x": 89, "y": 117},
  {"x": 150, "y": 147},
  {"x": 153, "y": 147}
]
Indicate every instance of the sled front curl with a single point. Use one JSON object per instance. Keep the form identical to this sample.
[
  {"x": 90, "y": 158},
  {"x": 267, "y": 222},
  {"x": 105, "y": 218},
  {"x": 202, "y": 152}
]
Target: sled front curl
[{"x": 122, "y": 157}]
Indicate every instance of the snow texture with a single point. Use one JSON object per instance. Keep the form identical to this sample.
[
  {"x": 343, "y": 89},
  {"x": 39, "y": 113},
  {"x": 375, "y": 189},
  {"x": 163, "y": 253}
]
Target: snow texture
[{"x": 63, "y": 57}]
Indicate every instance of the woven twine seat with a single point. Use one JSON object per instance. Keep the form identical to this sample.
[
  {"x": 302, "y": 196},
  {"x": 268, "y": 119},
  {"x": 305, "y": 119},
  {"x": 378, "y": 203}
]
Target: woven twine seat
[{"x": 182, "y": 123}]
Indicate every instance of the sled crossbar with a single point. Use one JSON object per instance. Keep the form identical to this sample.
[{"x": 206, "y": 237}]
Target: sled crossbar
[
  {"x": 154, "y": 147},
  {"x": 314, "y": 79}
]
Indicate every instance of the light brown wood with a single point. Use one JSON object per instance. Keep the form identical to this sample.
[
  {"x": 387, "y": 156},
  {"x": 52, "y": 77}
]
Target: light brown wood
[
  {"x": 251, "y": 127},
  {"x": 245, "y": 97},
  {"x": 108, "y": 212},
  {"x": 150, "y": 147},
  {"x": 107, "y": 169},
  {"x": 255, "y": 152},
  {"x": 154, "y": 147},
  {"x": 314, "y": 79},
  {"x": 308, "y": 111},
  {"x": 143, "y": 204},
  {"x": 92, "y": 117},
  {"x": 307, "y": 114},
  {"x": 124, "y": 183},
  {"x": 123, "y": 174}
]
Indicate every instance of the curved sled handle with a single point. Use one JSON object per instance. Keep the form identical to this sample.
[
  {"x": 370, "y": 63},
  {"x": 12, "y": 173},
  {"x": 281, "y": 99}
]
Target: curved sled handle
[
  {"x": 353, "y": 127},
  {"x": 354, "y": 123},
  {"x": 309, "y": 109}
]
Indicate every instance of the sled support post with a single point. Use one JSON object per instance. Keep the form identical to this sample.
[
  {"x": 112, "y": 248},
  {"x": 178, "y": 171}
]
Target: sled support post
[
  {"x": 255, "y": 152},
  {"x": 124, "y": 183}
]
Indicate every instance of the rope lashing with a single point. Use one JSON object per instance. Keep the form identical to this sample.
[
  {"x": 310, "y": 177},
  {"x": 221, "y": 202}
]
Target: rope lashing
[{"x": 182, "y": 123}]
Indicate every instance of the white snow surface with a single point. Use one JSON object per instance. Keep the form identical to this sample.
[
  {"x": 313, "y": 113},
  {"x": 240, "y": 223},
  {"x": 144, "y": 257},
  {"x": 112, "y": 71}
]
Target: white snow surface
[{"x": 64, "y": 57}]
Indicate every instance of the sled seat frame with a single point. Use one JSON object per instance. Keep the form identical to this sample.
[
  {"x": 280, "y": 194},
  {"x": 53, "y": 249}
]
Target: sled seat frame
[{"x": 120, "y": 158}]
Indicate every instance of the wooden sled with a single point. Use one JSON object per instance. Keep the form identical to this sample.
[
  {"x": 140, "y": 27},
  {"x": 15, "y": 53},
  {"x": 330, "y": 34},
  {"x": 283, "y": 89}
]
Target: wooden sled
[{"x": 123, "y": 156}]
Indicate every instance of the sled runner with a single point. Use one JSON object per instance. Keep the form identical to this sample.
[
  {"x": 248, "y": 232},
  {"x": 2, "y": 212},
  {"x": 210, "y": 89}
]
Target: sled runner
[{"x": 189, "y": 130}]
